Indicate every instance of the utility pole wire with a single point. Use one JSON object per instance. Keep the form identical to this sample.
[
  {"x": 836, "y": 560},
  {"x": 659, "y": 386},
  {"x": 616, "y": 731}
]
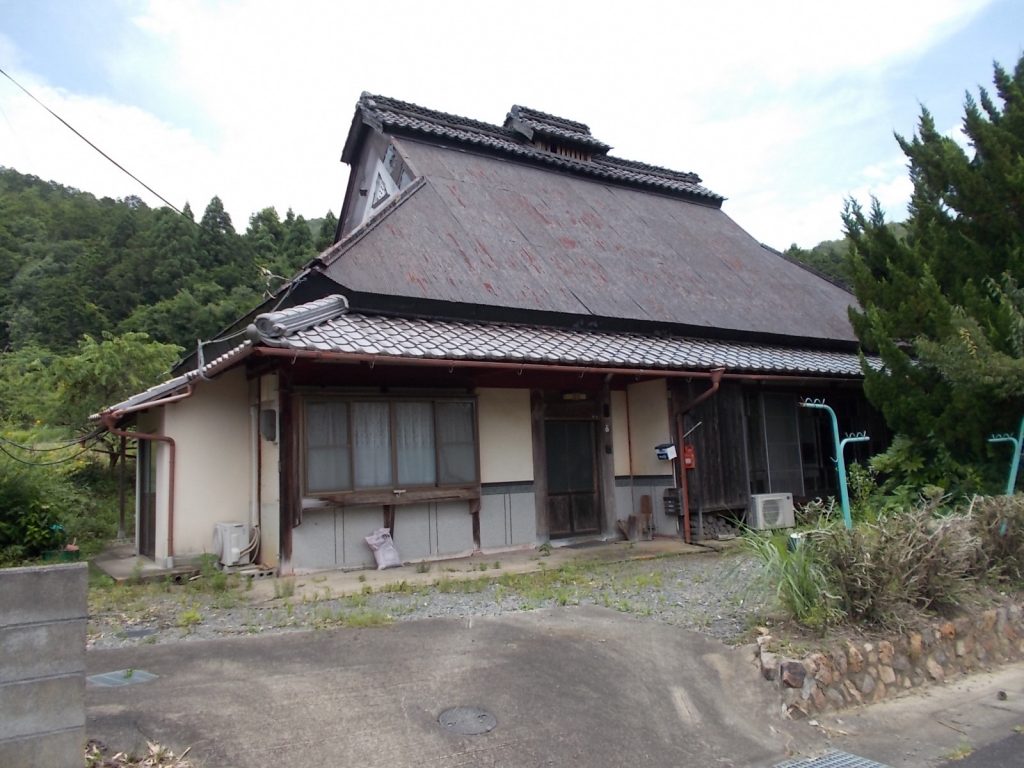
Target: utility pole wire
[{"x": 71, "y": 128}]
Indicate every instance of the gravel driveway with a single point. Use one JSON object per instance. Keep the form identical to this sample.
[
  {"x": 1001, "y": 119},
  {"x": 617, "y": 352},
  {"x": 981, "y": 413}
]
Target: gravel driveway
[{"x": 713, "y": 593}]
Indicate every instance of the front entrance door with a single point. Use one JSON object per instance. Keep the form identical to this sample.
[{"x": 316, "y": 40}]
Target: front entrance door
[{"x": 572, "y": 478}]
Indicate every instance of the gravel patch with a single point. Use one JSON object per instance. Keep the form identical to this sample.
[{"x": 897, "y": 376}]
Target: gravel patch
[{"x": 713, "y": 593}]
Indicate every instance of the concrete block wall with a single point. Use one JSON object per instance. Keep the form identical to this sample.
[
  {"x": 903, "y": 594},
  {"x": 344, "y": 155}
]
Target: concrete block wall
[{"x": 43, "y": 613}]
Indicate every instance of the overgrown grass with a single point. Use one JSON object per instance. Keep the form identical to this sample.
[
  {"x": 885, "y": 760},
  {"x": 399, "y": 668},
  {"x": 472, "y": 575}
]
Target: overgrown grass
[
  {"x": 797, "y": 578},
  {"x": 446, "y": 584}
]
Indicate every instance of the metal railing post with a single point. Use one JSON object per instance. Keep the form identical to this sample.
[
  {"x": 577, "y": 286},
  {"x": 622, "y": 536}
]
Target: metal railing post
[
  {"x": 840, "y": 458},
  {"x": 1011, "y": 481}
]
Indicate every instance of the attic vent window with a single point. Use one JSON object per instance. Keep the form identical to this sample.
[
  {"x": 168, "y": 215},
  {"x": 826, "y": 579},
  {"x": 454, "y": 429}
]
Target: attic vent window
[
  {"x": 574, "y": 153},
  {"x": 380, "y": 191}
]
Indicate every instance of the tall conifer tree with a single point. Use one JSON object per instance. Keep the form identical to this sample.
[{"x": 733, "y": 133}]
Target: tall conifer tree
[{"x": 942, "y": 306}]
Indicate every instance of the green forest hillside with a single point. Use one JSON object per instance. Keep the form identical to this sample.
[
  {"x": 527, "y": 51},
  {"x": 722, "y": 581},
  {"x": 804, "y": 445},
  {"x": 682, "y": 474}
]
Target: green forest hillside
[
  {"x": 831, "y": 258},
  {"x": 72, "y": 264}
]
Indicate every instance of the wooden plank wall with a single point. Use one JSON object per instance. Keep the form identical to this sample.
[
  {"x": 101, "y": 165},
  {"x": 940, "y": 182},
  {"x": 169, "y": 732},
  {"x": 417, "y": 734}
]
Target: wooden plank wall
[{"x": 720, "y": 480}]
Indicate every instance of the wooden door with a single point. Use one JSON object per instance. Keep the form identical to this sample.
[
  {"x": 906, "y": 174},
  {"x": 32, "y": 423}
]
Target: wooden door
[{"x": 572, "y": 502}]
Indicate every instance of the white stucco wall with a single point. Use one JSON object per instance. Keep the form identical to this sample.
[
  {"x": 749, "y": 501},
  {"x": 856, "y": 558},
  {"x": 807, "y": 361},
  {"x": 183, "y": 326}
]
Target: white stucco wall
[
  {"x": 648, "y": 426},
  {"x": 506, "y": 441},
  {"x": 270, "y": 479},
  {"x": 620, "y": 433},
  {"x": 213, "y": 476}
]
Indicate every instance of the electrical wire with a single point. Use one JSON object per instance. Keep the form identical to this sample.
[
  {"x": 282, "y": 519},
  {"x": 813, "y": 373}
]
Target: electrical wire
[
  {"x": 77, "y": 133},
  {"x": 10, "y": 455},
  {"x": 61, "y": 447}
]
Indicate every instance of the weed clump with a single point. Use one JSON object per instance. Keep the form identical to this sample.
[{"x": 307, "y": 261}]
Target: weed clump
[
  {"x": 896, "y": 560},
  {"x": 913, "y": 558},
  {"x": 998, "y": 525}
]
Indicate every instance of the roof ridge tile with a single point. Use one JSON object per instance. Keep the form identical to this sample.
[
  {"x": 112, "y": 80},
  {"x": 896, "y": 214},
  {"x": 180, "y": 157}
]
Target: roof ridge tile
[{"x": 395, "y": 114}]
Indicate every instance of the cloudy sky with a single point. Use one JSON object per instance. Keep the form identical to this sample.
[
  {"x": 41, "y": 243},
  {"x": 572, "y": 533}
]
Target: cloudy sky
[{"x": 786, "y": 108}]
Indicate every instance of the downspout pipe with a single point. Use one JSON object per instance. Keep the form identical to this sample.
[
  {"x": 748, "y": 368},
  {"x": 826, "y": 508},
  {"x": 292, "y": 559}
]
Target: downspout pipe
[{"x": 684, "y": 486}]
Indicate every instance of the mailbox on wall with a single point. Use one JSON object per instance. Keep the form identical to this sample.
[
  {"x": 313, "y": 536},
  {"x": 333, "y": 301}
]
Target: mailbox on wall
[
  {"x": 665, "y": 451},
  {"x": 689, "y": 456}
]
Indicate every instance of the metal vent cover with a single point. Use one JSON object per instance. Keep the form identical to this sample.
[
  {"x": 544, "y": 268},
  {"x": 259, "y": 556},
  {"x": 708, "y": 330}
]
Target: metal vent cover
[{"x": 832, "y": 759}]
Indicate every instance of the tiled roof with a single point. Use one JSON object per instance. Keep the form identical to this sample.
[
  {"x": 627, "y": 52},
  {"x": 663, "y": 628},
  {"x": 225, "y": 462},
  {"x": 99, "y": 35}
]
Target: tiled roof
[
  {"x": 516, "y": 238},
  {"x": 394, "y": 115},
  {"x": 358, "y": 334},
  {"x": 354, "y": 333},
  {"x": 565, "y": 130},
  {"x": 171, "y": 386}
]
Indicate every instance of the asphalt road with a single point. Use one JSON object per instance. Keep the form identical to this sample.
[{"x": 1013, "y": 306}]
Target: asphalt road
[
  {"x": 587, "y": 686},
  {"x": 1006, "y": 753},
  {"x": 582, "y": 686}
]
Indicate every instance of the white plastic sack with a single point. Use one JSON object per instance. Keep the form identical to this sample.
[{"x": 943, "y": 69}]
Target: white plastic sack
[{"x": 384, "y": 551}]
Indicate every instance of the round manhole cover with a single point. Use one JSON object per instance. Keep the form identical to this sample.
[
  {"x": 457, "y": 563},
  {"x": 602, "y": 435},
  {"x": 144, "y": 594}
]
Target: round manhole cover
[{"x": 468, "y": 721}]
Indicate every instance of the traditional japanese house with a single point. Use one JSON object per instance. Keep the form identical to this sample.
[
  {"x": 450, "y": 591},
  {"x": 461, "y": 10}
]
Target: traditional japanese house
[{"x": 509, "y": 323}]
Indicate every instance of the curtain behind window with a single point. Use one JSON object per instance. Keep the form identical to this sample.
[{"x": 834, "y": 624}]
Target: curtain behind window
[
  {"x": 414, "y": 443},
  {"x": 327, "y": 448},
  {"x": 371, "y": 438}
]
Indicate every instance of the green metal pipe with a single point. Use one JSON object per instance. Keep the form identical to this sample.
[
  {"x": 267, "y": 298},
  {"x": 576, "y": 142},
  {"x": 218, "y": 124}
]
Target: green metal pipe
[
  {"x": 1011, "y": 481},
  {"x": 840, "y": 459}
]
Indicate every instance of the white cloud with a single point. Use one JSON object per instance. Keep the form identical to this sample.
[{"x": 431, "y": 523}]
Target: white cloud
[{"x": 767, "y": 101}]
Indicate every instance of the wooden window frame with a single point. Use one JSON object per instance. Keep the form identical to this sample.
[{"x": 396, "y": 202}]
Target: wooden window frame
[{"x": 395, "y": 494}]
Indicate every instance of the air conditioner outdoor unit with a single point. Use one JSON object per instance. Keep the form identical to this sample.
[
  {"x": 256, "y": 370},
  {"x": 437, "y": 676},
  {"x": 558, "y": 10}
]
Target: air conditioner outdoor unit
[
  {"x": 771, "y": 510},
  {"x": 229, "y": 539}
]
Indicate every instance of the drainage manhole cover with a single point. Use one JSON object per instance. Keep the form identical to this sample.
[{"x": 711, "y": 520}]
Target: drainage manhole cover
[
  {"x": 121, "y": 677},
  {"x": 832, "y": 759},
  {"x": 468, "y": 721},
  {"x": 140, "y": 632}
]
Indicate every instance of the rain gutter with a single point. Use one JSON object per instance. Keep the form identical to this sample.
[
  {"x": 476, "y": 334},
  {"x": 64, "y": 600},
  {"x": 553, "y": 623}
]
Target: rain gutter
[{"x": 430, "y": 362}]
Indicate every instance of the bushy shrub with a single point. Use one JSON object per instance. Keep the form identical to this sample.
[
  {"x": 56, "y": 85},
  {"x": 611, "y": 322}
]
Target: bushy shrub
[
  {"x": 997, "y": 523},
  {"x": 909, "y": 468},
  {"x": 914, "y": 558},
  {"x": 29, "y": 523},
  {"x": 45, "y": 507}
]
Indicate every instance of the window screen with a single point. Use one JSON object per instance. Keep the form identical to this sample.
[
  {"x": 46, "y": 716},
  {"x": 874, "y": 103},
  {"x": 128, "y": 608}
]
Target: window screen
[{"x": 456, "y": 444}]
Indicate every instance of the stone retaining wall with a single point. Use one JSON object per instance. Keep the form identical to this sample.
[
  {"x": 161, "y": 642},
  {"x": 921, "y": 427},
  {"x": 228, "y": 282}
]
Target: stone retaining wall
[
  {"x": 866, "y": 672},
  {"x": 43, "y": 614}
]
